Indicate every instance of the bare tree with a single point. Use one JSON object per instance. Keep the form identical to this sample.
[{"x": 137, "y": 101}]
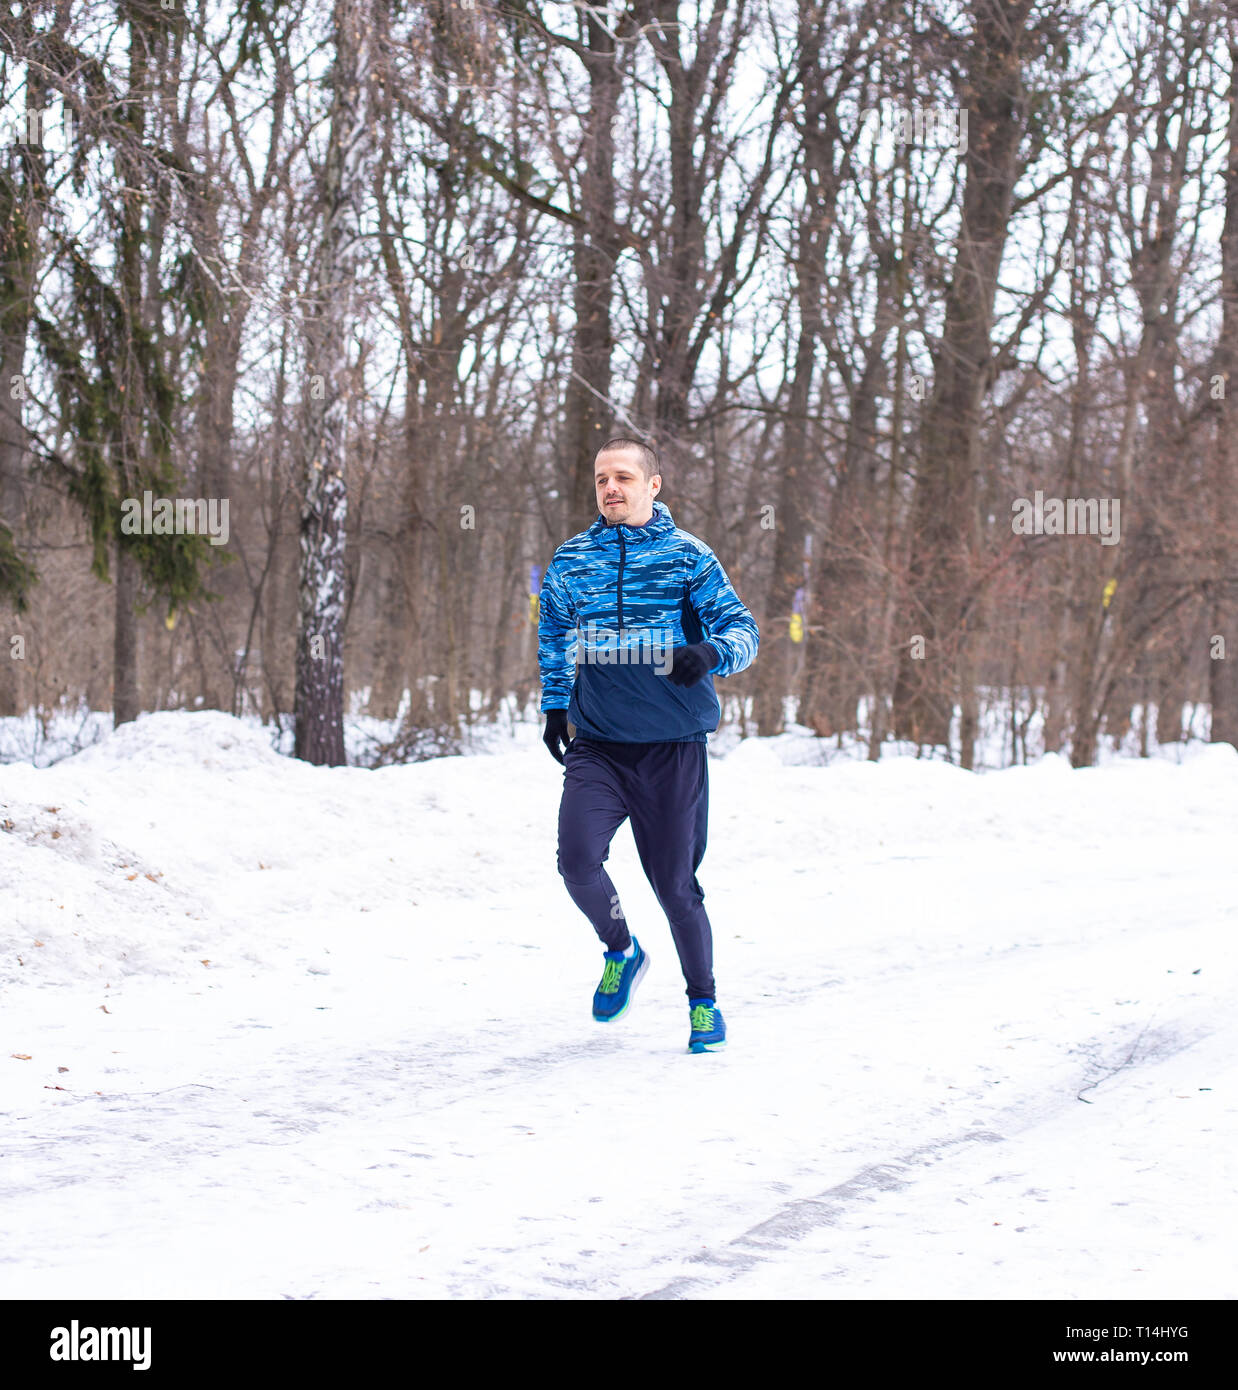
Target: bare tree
[
  {"x": 1223, "y": 668},
  {"x": 344, "y": 184},
  {"x": 944, "y": 523}
]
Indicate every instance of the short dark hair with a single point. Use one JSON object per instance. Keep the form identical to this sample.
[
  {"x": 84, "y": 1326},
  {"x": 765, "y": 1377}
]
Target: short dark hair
[{"x": 648, "y": 457}]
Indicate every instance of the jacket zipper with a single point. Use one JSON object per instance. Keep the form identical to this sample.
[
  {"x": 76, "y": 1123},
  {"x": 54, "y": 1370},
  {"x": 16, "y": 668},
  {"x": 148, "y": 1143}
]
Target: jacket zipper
[{"x": 622, "y": 557}]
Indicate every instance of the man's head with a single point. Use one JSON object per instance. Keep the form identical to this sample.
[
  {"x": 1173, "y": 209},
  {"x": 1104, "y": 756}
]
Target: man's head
[{"x": 625, "y": 474}]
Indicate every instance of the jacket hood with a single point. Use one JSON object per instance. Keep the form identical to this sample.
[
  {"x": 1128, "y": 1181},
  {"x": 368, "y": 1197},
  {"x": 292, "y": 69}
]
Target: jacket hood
[{"x": 660, "y": 524}]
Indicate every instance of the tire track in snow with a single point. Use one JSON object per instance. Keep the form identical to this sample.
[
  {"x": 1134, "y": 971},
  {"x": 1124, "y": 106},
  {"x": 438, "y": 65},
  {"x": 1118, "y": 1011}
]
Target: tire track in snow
[{"x": 774, "y": 1235}]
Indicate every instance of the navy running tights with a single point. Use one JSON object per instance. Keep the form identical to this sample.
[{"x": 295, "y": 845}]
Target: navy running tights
[{"x": 664, "y": 789}]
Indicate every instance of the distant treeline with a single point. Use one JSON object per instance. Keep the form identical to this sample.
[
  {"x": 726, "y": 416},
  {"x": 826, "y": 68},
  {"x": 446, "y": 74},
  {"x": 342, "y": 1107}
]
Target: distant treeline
[{"x": 929, "y": 309}]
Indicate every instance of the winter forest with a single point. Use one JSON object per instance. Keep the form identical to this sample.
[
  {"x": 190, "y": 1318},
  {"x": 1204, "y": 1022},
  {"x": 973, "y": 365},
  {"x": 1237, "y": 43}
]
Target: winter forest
[
  {"x": 930, "y": 311},
  {"x": 314, "y": 318}
]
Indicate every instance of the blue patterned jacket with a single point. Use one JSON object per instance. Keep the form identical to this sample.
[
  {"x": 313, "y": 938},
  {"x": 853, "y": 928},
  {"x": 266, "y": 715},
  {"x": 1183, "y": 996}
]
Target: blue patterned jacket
[{"x": 614, "y": 602}]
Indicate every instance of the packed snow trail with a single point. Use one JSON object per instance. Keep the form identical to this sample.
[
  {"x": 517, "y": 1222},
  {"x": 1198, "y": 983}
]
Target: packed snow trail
[{"x": 326, "y": 1033}]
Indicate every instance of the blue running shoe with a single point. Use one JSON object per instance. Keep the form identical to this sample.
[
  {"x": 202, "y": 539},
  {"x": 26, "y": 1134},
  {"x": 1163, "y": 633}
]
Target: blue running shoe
[
  {"x": 708, "y": 1029},
  {"x": 619, "y": 979}
]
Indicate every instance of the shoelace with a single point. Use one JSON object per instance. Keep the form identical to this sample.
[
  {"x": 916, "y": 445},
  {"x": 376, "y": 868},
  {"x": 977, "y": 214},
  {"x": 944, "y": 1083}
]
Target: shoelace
[
  {"x": 611, "y": 976},
  {"x": 702, "y": 1019}
]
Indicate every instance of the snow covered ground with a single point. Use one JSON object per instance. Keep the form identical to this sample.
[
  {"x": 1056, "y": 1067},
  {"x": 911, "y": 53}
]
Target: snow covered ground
[{"x": 279, "y": 1031}]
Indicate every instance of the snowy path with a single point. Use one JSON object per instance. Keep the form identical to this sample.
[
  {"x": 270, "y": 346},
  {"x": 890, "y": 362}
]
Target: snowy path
[{"x": 386, "y": 1082}]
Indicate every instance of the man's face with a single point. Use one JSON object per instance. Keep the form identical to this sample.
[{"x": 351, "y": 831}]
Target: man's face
[{"x": 624, "y": 496}]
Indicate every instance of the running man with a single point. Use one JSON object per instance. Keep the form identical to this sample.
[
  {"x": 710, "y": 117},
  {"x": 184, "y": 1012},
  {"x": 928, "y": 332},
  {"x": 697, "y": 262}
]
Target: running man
[{"x": 646, "y": 615}]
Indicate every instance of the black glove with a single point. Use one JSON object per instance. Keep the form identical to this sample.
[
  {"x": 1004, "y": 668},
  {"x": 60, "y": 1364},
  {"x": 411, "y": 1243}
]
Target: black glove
[
  {"x": 556, "y": 732},
  {"x": 689, "y": 664}
]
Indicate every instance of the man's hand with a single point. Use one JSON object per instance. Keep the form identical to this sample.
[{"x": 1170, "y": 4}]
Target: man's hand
[
  {"x": 556, "y": 732},
  {"x": 689, "y": 664}
]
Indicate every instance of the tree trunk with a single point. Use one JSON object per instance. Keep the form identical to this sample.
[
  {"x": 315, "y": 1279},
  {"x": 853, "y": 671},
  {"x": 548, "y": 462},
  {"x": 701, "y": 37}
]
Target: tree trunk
[
  {"x": 23, "y": 191},
  {"x": 595, "y": 250},
  {"x": 944, "y": 519},
  {"x": 22, "y": 198},
  {"x": 801, "y": 488},
  {"x": 126, "y": 677},
  {"x": 319, "y": 701},
  {"x": 1083, "y": 329},
  {"x": 126, "y": 698},
  {"x": 1223, "y": 670}
]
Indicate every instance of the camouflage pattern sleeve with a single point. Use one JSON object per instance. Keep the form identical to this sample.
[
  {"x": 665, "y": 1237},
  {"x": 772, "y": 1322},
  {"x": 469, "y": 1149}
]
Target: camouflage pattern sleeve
[
  {"x": 729, "y": 627},
  {"x": 556, "y": 640}
]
